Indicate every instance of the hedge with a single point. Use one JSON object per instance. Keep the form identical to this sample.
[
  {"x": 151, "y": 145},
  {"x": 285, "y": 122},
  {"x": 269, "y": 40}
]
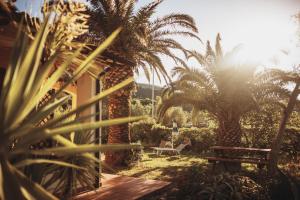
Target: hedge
[
  {"x": 150, "y": 134},
  {"x": 201, "y": 138}
]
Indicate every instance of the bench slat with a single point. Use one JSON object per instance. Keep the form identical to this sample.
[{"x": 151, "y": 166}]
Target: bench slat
[
  {"x": 240, "y": 149},
  {"x": 244, "y": 160}
]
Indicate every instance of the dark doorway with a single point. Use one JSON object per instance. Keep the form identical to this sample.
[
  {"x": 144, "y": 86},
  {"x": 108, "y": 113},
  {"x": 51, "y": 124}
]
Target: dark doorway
[{"x": 2, "y": 75}]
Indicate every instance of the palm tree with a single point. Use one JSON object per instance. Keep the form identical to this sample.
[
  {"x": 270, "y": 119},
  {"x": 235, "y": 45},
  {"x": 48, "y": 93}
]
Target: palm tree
[
  {"x": 223, "y": 89},
  {"x": 141, "y": 43}
]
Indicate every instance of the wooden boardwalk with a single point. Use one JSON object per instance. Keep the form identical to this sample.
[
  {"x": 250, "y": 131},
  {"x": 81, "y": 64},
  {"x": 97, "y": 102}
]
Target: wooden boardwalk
[{"x": 115, "y": 187}]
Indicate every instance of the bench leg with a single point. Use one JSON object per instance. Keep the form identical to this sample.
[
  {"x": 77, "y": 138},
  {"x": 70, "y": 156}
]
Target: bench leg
[
  {"x": 260, "y": 166},
  {"x": 224, "y": 164},
  {"x": 214, "y": 166}
]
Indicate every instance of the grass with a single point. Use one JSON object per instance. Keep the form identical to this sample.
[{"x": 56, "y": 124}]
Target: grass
[
  {"x": 163, "y": 167},
  {"x": 173, "y": 167},
  {"x": 187, "y": 171}
]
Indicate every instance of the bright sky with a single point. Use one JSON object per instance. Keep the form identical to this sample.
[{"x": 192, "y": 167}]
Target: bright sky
[{"x": 265, "y": 28}]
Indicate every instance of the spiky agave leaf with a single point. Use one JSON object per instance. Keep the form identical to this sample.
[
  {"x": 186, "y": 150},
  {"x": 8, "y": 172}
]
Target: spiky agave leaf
[{"x": 20, "y": 94}]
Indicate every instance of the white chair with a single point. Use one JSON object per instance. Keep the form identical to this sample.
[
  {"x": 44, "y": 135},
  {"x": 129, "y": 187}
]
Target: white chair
[{"x": 177, "y": 150}]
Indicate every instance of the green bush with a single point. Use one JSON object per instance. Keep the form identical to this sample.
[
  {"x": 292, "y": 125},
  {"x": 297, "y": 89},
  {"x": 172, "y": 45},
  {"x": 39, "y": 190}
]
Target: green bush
[
  {"x": 290, "y": 147},
  {"x": 139, "y": 109},
  {"x": 201, "y": 138},
  {"x": 150, "y": 134},
  {"x": 199, "y": 185},
  {"x": 141, "y": 130},
  {"x": 177, "y": 114},
  {"x": 160, "y": 132},
  {"x": 232, "y": 187},
  {"x": 260, "y": 128}
]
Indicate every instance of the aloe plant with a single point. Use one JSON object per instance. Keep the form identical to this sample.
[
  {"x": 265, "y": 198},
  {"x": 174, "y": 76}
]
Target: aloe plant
[{"x": 26, "y": 81}]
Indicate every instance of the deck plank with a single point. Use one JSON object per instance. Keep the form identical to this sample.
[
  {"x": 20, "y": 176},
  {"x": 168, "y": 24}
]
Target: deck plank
[{"x": 123, "y": 188}]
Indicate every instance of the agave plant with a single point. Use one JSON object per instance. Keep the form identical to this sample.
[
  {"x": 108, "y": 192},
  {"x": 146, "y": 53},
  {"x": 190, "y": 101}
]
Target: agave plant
[
  {"x": 26, "y": 81},
  {"x": 68, "y": 181}
]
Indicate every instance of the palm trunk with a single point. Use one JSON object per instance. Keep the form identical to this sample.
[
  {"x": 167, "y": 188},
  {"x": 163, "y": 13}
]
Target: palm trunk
[
  {"x": 272, "y": 166},
  {"x": 118, "y": 106},
  {"x": 229, "y": 134}
]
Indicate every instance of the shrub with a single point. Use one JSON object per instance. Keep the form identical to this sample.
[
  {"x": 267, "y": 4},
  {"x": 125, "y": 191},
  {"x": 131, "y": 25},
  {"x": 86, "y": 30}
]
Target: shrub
[
  {"x": 160, "y": 132},
  {"x": 141, "y": 130},
  {"x": 198, "y": 185},
  {"x": 149, "y": 133},
  {"x": 232, "y": 187},
  {"x": 138, "y": 109},
  {"x": 203, "y": 119},
  {"x": 261, "y": 127},
  {"x": 201, "y": 138},
  {"x": 177, "y": 114},
  {"x": 290, "y": 147}
]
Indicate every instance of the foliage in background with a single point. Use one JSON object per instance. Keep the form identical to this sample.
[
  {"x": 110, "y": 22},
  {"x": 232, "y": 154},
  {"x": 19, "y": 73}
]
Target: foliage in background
[
  {"x": 291, "y": 144},
  {"x": 232, "y": 187},
  {"x": 201, "y": 138},
  {"x": 151, "y": 133},
  {"x": 160, "y": 132},
  {"x": 203, "y": 119},
  {"x": 177, "y": 114},
  {"x": 138, "y": 107},
  {"x": 196, "y": 184},
  {"x": 259, "y": 128},
  {"x": 141, "y": 130},
  {"x": 284, "y": 86}
]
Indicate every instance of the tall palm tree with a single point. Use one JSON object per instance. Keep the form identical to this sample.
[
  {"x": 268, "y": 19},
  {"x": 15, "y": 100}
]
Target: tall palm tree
[
  {"x": 217, "y": 86},
  {"x": 141, "y": 42}
]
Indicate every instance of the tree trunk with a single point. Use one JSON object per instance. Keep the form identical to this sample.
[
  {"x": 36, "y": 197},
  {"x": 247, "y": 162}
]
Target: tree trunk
[
  {"x": 118, "y": 106},
  {"x": 229, "y": 132},
  {"x": 229, "y": 135},
  {"x": 272, "y": 166}
]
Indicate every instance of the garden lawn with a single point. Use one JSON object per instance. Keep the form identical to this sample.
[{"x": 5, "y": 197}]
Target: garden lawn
[
  {"x": 188, "y": 173},
  {"x": 164, "y": 167},
  {"x": 174, "y": 167}
]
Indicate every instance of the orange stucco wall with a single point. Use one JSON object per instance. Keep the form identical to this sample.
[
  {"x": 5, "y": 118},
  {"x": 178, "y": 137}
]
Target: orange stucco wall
[{"x": 85, "y": 91}]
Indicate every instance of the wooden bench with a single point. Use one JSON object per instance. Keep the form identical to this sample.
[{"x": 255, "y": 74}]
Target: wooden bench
[{"x": 237, "y": 155}]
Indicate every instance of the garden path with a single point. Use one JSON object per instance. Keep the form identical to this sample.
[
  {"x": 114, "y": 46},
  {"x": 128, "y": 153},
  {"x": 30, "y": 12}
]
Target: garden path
[{"x": 123, "y": 188}]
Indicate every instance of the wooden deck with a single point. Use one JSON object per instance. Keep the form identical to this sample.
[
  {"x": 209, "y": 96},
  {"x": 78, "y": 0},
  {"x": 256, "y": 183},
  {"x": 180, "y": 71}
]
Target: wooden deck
[{"x": 123, "y": 188}]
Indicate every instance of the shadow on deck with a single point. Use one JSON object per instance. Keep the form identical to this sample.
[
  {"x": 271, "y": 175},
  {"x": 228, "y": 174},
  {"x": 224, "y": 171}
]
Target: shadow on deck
[{"x": 123, "y": 188}]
